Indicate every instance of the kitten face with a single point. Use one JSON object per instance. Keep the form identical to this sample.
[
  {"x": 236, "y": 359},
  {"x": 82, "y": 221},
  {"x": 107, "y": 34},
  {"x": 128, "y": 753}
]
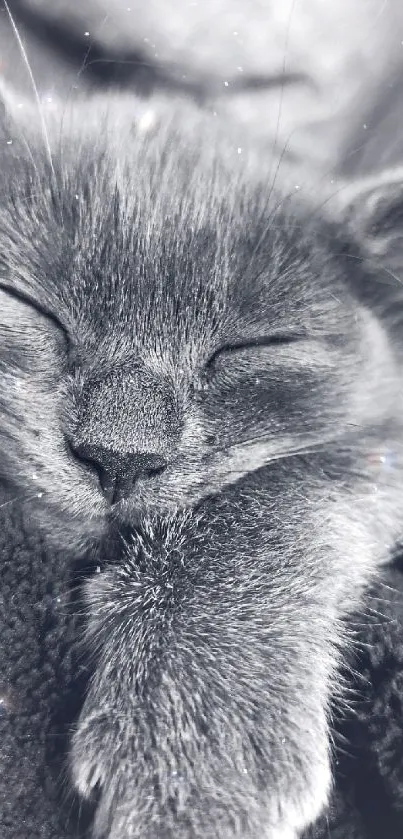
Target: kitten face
[
  {"x": 151, "y": 312},
  {"x": 190, "y": 362}
]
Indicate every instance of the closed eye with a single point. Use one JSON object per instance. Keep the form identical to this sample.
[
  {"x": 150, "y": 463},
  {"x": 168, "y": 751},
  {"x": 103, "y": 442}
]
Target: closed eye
[
  {"x": 39, "y": 308},
  {"x": 278, "y": 339}
]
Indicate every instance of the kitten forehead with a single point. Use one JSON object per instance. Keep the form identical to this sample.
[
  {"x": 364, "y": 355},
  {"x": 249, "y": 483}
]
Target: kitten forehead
[{"x": 156, "y": 235}]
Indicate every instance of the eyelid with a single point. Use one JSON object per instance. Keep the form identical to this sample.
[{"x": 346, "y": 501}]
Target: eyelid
[
  {"x": 28, "y": 301},
  {"x": 277, "y": 339}
]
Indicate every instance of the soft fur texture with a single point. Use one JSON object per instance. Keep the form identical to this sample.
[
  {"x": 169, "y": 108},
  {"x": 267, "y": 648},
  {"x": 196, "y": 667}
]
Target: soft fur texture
[
  {"x": 45, "y": 675},
  {"x": 211, "y": 350}
]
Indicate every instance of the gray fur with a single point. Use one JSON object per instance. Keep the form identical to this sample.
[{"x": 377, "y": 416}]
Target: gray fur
[{"x": 150, "y": 257}]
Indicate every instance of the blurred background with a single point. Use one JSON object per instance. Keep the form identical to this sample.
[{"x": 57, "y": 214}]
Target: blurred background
[{"x": 323, "y": 78}]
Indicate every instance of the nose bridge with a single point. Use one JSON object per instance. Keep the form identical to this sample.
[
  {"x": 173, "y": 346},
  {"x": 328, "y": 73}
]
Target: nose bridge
[{"x": 128, "y": 413}]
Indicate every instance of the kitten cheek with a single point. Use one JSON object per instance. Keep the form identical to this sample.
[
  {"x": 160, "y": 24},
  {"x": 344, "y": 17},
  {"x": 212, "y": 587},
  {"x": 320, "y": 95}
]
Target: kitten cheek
[{"x": 36, "y": 459}]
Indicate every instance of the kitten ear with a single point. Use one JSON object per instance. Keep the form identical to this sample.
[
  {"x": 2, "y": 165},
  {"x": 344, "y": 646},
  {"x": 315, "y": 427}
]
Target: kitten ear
[{"x": 372, "y": 208}]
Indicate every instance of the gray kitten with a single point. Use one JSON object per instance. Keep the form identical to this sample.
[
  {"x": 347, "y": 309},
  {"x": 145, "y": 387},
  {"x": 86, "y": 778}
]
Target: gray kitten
[{"x": 200, "y": 377}]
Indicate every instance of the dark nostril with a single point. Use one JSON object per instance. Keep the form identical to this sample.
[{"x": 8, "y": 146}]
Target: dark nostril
[
  {"x": 118, "y": 472},
  {"x": 145, "y": 464},
  {"x": 85, "y": 456}
]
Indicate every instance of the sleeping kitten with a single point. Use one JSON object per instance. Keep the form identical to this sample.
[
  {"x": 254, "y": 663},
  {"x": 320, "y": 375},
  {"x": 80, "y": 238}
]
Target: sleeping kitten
[{"x": 200, "y": 377}]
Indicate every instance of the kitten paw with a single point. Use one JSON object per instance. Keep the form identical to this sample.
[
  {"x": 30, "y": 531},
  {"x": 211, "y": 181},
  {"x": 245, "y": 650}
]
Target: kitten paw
[{"x": 103, "y": 762}]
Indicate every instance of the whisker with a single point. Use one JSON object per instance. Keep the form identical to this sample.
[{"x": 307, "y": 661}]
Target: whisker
[
  {"x": 85, "y": 62},
  {"x": 343, "y": 186},
  {"x": 41, "y": 192},
  {"x": 285, "y": 55},
  {"x": 377, "y": 264},
  {"x": 21, "y": 498},
  {"x": 269, "y": 226},
  {"x": 34, "y": 86},
  {"x": 276, "y": 135},
  {"x": 73, "y": 86}
]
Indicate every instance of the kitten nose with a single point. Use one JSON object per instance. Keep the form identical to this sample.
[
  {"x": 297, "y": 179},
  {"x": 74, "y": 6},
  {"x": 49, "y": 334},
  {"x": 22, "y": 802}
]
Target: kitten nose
[{"x": 119, "y": 472}]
